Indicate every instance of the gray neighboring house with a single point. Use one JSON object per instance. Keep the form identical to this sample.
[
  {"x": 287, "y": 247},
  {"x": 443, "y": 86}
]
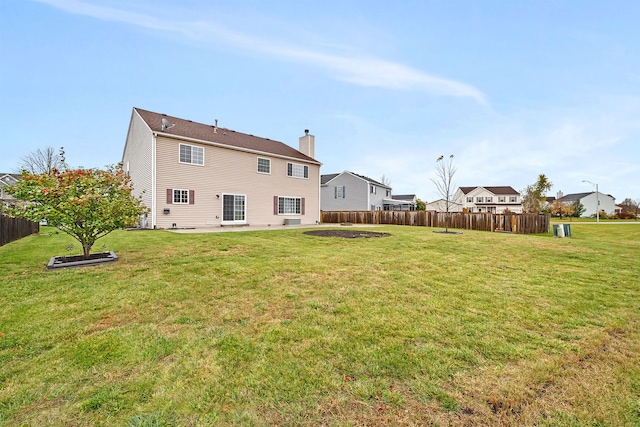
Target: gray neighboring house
[
  {"x": 7, "y": 179},
  {"x": 348, "y": 191},
  {"x": 590, "y": 202}
]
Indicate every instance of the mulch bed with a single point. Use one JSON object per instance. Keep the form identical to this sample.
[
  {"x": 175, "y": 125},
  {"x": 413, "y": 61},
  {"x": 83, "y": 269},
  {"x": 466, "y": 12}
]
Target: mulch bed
[{"x": 347, "y": 234}]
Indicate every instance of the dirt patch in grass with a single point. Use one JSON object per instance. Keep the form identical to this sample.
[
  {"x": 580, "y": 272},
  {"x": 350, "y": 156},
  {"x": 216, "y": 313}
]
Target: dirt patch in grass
[
  {"x": 552, "y": 388},
  {"x": 346, "y": 234}
]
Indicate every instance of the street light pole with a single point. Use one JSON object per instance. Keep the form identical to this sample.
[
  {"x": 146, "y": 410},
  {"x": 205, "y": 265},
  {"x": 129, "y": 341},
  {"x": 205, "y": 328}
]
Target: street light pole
[{"x": 597, "y": 201}]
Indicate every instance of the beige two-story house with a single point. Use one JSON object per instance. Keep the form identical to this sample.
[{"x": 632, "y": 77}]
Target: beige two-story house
[
  {"x": 489, "y": 199},
  {"x": 197, "y": 175}
]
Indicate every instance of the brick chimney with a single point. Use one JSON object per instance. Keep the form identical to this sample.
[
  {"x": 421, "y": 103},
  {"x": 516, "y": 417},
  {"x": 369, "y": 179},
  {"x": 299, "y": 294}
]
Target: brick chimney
[{"x": 308, "y": 144}]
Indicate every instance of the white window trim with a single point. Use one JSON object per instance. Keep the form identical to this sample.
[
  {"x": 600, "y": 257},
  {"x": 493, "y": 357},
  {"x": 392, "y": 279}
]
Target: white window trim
[
  {"x": 192, "y": 147},
  {"x": 290, "y": 197},
  {"x": 258, "y": 165},
  {"x": 303, "y": 169},
  {"x": 174, "y": 196}
]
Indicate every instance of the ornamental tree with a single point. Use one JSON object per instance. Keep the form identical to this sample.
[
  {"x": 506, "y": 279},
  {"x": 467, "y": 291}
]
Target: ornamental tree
[
  {"x": 533, "y": 196},
  {"x": 87, "y": 204},
  {"x": 561, "y": 208}
]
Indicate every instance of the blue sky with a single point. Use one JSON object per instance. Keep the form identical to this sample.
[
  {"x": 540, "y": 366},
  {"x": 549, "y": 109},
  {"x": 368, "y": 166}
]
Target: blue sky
[{"x": 511, "y": 88}]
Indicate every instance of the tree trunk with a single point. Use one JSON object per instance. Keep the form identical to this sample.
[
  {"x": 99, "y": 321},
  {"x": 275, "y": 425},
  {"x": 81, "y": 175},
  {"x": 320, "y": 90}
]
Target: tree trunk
[{"x": 86, "y": 249}]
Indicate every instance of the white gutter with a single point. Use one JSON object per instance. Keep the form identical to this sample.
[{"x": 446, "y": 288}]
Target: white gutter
[
  {"x": 153, "y": 180},
  {"x": 320, "y": 194}
]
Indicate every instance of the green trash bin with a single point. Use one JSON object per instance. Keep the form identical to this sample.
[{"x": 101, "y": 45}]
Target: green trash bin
[{"x": 558, "y": 230}]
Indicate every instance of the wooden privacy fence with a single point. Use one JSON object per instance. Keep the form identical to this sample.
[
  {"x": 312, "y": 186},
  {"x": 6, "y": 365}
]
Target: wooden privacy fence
[
  {"x": 511, "y": 223},
  {"x": 16, "y": 228}
]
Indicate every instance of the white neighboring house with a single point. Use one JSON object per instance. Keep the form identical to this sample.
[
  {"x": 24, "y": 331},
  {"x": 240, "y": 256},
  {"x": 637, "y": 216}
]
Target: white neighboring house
[
  {"x": 440, "y": 205},
  {"x": 401, "y": 202},
  {"x": 590, "y": 202},
  {"x": 348, "y": 191},
  {"x": 495, "y": 199}
]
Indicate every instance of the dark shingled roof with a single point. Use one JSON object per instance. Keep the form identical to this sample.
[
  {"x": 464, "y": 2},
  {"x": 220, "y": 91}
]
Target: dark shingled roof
[
  {"x": 505, "y": 189},
  {"x": 328, "y": 177},
  {"x": 404, "y": 196},
  {"x": 372, "y": 181},
  {"x": 222, "y": 136},
  {"x": 574, "y": 197}
]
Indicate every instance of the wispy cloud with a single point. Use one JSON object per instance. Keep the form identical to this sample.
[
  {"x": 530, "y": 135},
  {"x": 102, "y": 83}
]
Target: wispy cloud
[{"x": 358, "y": 69}]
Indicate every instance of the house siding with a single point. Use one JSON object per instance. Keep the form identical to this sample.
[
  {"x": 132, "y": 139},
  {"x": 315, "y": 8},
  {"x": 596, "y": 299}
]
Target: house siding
[
  {"x": 229, "y": 171},
  {"x": 376, "y": 200},
  {"x": 137, "y": 158},
  {"x": 356, "y": 189},
  {"x": 441, "y": 206},
  {"x": 590, "y": 203},
  {"x": 494, "y": 206}
]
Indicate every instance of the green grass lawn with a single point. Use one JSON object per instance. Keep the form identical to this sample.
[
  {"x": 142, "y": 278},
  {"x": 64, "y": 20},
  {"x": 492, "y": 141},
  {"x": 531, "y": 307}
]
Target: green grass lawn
[{"x": 281, "y": 328}]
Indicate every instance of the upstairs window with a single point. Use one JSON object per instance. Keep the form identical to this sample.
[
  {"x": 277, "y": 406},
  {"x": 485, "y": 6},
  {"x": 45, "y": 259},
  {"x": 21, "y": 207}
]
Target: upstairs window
[
  {"x": 501, "y": 199},
  {"x": 296, "y": 170},
  {"x": 513, "y": 199},
  {"x": 373, "y": 189},
  {"x": 191, "y": 154},
  {"x": 489, "y": 200},
  {"x": 469, "y": 199},
  {"x": 479, "y": 199},
  {"x": 264, "y": 165},
  {"x": 339, "y": 192}
]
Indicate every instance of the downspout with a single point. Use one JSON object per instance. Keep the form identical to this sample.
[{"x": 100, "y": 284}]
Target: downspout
[
  {"x": 319, "y": 194},
  {"x": 153, "y": 180}
]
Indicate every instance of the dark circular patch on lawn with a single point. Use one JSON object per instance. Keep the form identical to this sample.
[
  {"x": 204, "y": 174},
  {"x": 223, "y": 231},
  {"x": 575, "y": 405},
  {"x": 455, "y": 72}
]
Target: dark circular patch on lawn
[{"x": 347, "y": 234}]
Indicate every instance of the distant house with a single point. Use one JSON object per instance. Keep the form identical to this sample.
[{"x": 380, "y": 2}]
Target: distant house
[
  {"x": 440, "y": 205},
  {"x": 590, "y": 202},
  {"x": 197, "y": 175},
  {"x": 489, "y": 199},
  {"x": 348, "y": 191},
  {"x": 7, "y": 180},
  {"x": 402, "y": 202}
]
